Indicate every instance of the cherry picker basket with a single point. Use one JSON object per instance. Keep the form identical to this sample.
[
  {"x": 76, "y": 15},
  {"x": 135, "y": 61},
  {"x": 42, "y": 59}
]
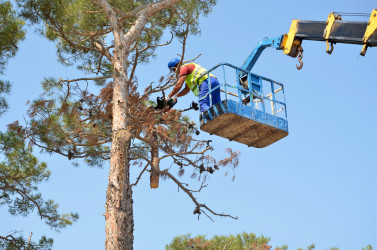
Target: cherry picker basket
[{"x": 252, "y": 111}]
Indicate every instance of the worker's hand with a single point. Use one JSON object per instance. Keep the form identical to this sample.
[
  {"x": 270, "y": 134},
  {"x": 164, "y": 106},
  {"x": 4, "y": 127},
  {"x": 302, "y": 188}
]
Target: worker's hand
[{"x": 167, "y": 98}]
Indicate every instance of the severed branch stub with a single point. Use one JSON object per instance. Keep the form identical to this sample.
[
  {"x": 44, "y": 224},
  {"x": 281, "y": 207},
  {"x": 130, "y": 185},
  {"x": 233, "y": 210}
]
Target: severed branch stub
[{"x": 199, "y": 208}]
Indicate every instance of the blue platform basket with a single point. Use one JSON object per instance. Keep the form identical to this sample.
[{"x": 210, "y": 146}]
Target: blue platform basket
[{"x": 252, "y": 110}]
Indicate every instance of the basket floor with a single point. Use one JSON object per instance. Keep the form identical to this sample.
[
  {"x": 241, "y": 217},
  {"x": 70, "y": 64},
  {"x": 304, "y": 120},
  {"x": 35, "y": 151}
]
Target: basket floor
[{"x": 243, "y": 130}]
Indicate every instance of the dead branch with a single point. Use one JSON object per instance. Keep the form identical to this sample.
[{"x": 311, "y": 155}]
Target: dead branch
[
  {"x": 86, "y": 79},
  {"x": 183, "y": 51},
  {"x": 191, "y": 152},
  {"x": 192, "y": 59},
  {"x": 141, "y": 156},
  {"x": 158, "y": 45},
  {"x": 99, "y": 64},
  {"x": 200, "y": 189},
  {"x": 189, "y": 193},
  {"x": 139, "y": 177},
  {"x": 158, "y": 89},
  {"x": 134, "y": 65}
]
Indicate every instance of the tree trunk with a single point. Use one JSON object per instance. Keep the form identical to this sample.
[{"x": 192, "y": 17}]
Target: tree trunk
[
  {"x": 119, "y": 203},
  {"x": 119, "y": 210},
  {"x": 155, "y": 169}
]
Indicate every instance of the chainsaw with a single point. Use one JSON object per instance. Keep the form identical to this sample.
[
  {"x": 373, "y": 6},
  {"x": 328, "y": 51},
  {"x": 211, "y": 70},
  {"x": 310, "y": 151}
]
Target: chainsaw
[{"x": 162, "y": 103}]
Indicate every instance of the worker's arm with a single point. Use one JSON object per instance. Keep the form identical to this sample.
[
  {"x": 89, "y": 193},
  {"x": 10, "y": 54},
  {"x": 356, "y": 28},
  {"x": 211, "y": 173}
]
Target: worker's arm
[
  {"x": 178, "y": 86},
  {"x": 184, "y": 91}
]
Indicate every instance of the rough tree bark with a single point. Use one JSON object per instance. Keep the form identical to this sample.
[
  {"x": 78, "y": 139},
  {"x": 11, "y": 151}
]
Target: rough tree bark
[
  {"x": 155, "y": 168},
  {"x": 119, "y": 208}
]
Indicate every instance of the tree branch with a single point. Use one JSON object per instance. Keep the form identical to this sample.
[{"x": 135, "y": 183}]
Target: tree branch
[
  {"x": 189, "y": 193},
  {"x": 141, "y": 156},
  {"x": 86, "y": 79},
  {"x": 139, "y": 177},
  {"x": 143, "y": 15}
]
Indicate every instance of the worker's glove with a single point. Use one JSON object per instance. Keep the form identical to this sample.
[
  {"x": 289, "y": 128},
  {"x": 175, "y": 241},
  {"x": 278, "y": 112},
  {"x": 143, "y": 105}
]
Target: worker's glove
[
  {"x": 171, "y": 102},
  {"x": 165, "y": 102},
  {"x": 161, "y": 103}
]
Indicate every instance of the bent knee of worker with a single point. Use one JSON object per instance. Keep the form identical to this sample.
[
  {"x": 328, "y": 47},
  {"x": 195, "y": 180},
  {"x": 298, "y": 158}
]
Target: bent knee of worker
[
  {"x": 204, "y": 89},
  {"x": 209, "y": 99},
  {"x": 212, "y": 82}
]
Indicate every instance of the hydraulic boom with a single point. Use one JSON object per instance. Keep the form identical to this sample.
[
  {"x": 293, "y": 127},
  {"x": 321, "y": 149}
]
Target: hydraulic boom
[{"x": 332, "y": 31}]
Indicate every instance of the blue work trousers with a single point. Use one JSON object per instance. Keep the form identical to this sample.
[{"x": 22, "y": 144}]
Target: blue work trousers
[{"x": 203, "y": 91}]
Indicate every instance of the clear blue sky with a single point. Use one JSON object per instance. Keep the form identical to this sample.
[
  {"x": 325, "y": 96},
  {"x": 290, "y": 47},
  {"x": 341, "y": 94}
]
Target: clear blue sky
[{"x": 318, "y": 185}]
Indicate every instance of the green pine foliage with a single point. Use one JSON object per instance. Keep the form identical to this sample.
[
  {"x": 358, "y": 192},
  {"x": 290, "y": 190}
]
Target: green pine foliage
[
  {"x": 16, "y": 241},
  {"x": 20, "y": 174},
  {"x": 73, "y": 120},
  {"x": 11, "y": 33},
  {"x": 311, "y": 247},
  {"x": 231, "y": 242},
  {"x": 20, "y": 171},
  {"x": 369, "y": 247},
  {"x": 4, "y": 91},
  {"x": 242, "y": 241},
  {"x": 79, "y": 26}
]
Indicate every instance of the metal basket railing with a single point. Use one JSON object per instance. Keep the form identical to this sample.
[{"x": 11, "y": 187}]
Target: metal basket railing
[{"x": 249, "y": 89}]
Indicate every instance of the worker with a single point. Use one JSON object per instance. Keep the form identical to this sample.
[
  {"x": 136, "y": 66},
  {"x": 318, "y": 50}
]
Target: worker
[{"x": 190, "y": 74}]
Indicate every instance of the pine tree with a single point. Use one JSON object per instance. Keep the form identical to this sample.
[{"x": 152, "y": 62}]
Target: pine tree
[{"x": 108, "y": 39}]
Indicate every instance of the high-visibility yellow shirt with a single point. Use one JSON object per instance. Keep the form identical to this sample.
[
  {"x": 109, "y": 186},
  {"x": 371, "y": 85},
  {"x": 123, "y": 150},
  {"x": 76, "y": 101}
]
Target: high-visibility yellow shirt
[{"x": 193, "y": 71}]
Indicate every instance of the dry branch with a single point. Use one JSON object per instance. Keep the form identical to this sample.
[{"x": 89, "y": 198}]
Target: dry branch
[{"x": 199, "y": 207}]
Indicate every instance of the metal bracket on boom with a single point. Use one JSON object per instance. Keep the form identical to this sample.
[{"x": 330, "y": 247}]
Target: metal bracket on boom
[
  {"x": 371, "y": 29},
  {"x": 290, "y": 43},
  {"x": 329, "y": 27}
]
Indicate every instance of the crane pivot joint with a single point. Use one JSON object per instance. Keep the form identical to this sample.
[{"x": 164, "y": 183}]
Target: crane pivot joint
[{"x": 290, "y": 44}]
